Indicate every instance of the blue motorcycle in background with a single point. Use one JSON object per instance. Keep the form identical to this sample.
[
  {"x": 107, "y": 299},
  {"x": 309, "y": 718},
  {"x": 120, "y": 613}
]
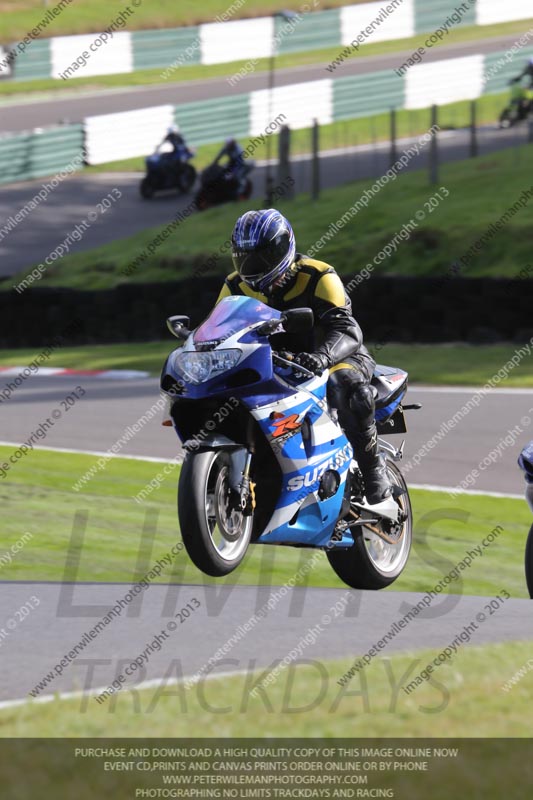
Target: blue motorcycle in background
[
  {"x": 266, "y": 460},
  {"x": 168, "y": 171}
]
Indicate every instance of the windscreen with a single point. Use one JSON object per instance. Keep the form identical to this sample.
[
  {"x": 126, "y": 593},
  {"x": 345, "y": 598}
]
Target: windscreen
[{"x": 233, "y": 314}]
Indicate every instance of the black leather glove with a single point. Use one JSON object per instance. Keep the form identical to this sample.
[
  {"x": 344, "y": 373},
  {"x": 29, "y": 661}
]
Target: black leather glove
[{"x": 311, "y": 361}]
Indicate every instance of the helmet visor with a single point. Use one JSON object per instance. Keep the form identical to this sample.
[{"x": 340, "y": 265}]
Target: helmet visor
[{"x": 253, "y": 265}]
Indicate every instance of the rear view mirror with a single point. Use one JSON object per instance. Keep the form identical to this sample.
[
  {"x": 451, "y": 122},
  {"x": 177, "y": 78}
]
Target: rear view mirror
[
  {"x": 179, "y": 326},
  {"x": 298, "y": 320}
]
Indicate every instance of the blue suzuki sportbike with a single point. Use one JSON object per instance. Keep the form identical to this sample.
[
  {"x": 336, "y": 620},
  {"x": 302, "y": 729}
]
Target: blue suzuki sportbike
[
  {"x": 166, "y": 170},
  {"x": 266, "y": 460}
]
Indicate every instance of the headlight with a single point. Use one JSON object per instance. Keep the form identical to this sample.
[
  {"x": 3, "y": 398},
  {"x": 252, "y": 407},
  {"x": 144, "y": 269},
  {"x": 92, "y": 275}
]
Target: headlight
[{"x": 199, "y": 367}]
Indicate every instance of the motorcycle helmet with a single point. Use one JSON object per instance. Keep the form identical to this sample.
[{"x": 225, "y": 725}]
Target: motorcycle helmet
[
  {"x": 173, "y": 129},
  {"x": 263, "y": 248}
]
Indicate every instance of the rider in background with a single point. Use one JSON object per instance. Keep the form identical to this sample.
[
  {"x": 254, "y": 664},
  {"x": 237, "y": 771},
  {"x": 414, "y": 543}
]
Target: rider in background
[
  {"x": 267, "y": 267},
  {"x": 235, "y": 167},
  {"x": 180, "y": 150},
  {"x": 528, "y": 71}
]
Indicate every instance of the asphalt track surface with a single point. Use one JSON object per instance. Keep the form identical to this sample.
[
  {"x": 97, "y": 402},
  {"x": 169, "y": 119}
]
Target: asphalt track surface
[
  {"x": 48, "y": 226},
  {"x": 56, "y": 108},
  {"x": 99, "y": 419},
  {"x": 34, "y": 648}
]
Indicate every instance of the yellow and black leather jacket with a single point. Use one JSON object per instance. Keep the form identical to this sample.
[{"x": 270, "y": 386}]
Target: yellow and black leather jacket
[{"x": 312, "y": 284}]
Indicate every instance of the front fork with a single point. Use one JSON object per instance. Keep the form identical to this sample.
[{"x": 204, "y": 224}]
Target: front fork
[{"x": 242, "y": 496}]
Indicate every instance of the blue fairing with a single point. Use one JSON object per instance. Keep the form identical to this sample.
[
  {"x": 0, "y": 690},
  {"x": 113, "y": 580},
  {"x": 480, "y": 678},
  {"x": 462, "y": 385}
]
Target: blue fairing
[{"x": 307, "y": 443}]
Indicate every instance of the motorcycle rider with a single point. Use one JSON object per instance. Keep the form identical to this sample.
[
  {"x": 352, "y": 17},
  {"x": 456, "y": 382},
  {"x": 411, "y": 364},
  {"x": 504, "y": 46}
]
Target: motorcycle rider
[
  {"x": 235, "y": 167},
  {"x": 180, "y": 151},
  {"x": 267, "y": 267},
  {"x": 528, "y": 71}
]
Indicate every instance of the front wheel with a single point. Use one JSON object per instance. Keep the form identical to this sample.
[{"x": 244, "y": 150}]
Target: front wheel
[
  {"x": 202, "y": 200},
  {"x": 508, "y": 118},
  {"x": 147, "y": 188},
  {"x": 372, "y": 562},
  {"x": 247, "y": 190},
  {"x": 215, "y": 536},
  {"x": 187, "y": 178},
  {"x": 529, "y": 562}
]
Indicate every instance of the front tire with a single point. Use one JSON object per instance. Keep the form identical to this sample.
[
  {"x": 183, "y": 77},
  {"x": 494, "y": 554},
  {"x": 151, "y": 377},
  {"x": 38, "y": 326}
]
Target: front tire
[
  {"x": 187, "y": 178},
  {"x": 202, "y": 200},
  {"x": 373, "y": 563},
  {"x": 529, "y": 562},
  {"x": 146, "y": 189},
  {"x": 508, "y": 118},
  {"x": 247, "y": 190},
  {"x": 215, "y": 537}
]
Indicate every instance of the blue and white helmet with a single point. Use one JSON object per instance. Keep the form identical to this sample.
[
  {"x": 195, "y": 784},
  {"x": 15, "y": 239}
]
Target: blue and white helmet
[
  {"x": 525, "y": 461},
  {"x": 263, "y": 248}
]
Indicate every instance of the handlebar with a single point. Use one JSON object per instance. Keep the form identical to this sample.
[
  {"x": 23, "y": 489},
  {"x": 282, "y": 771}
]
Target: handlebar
[{"x": 288, "y": 362}]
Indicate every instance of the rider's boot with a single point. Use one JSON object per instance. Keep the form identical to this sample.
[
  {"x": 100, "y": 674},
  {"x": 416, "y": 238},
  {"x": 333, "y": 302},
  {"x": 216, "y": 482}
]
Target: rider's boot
[{"x": 373, "y": 469}]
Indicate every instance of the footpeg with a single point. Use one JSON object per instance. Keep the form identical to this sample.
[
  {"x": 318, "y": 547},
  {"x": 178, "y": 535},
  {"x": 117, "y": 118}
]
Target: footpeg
[
  {"x": 397, "y": 491},
  {"x": 387, "y": 509}
]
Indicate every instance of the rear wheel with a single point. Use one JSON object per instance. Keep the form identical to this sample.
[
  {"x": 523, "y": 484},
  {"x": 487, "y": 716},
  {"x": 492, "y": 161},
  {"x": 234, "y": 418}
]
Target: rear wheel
[
  {"x": 372, "y": 562},
  {"x": 215, "y": 536},
  {"x": 529, "y": 562}
]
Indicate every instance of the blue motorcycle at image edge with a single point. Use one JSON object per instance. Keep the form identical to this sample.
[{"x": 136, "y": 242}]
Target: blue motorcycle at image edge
[{"x": 266, "y": 460}]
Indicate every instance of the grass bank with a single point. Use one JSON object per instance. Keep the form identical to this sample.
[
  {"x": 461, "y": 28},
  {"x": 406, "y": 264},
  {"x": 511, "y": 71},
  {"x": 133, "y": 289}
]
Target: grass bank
[
  {"x": 476, "y": 194},
  {"x": 38, "y": 498}
]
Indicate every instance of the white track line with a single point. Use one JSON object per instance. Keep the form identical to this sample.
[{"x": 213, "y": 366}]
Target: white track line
[
  {"x": 73, "y": 451},
  {"x": 151, "y": 684},
  {"x": 429, "y": 487},
  {"x": 420, "y": 387}
]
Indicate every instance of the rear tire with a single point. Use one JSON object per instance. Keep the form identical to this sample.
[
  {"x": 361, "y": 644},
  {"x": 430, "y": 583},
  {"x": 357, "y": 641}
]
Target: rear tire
[
  {"x": 529, "y": 562},
  {"x": 372, "y": 563},
  {"x": 215, "y": 539}
]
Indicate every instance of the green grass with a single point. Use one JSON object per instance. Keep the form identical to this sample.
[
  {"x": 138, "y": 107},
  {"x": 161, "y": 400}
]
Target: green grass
[
  {"x": 443, "y": 237},
  {"x": 85, "y": 16},
  {"x": 465, "y": 699},
  {"x": 37, "y": 497},
  {"x": 454, "y": 364},
  {"x": 10, "y": 89}
]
